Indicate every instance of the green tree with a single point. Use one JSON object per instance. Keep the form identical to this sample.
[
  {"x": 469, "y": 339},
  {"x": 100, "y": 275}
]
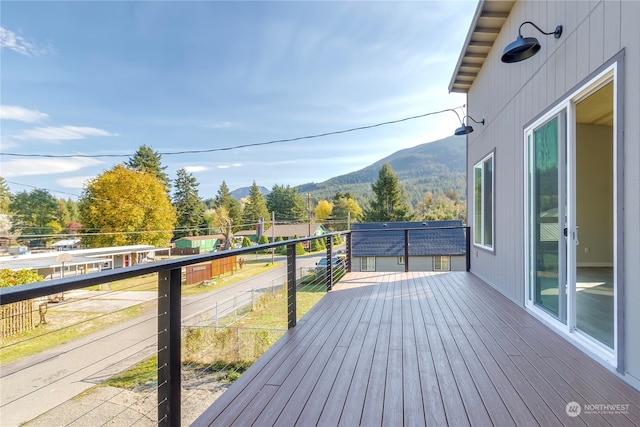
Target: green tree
[
  {"x": 126, "y": 207},
  {"x": 263, "y": 240},
  {"x": 74, "y": 212},
  {"x": 32, "y": 212},
  {"x": 255, "y": 208},
  {"x": 9, "y": 277},
  {"x": 441, "y": 207},
  {"x": 224, "y": 200},
  {"x": 390, "y": 201},
  {"x": 345, "y": 206},
  {"x": 5, "y": 196},
  {"x": 63, "y": 217},
  {"x": 188, "y": 205},
  {"x": 246, "y": 242},
  {"x": 286, "y": 203},
  {"x": 147, "y": 160}
]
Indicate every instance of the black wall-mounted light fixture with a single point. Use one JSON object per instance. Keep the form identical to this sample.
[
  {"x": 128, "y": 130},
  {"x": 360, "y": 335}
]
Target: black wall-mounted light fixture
[
  {"x": 466, "y": 129},
  {"x": 525, "y": 47}
]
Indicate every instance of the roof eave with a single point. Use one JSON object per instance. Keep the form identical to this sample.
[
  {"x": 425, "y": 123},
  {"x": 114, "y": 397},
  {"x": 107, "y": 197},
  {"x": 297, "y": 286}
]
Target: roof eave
[{"x": 483, "y": 31}]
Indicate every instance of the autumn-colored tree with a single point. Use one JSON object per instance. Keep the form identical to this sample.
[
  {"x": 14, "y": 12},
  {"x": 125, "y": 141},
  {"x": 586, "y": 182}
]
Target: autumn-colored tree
[
  {"x": 126, "y": 207},
  {"x": 345, "y": 206},
  {"x": 323, "y": 210},
  {"x": 441, "y": 207},
  {"x": 9, "y": 277}
]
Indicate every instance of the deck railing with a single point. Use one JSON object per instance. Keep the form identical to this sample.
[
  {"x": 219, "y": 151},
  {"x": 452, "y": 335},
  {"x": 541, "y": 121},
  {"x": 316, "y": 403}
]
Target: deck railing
[
  {"x": 170, "y": 325},
  {"x": 169, "y": 302}
]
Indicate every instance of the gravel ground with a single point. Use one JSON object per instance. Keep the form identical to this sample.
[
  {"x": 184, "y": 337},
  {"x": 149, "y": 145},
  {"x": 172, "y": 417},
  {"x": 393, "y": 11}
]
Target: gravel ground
[{"x": 114, "y": 406}]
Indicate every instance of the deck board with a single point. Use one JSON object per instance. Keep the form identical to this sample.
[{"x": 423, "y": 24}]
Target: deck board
[{"x": 420, "y": 349}]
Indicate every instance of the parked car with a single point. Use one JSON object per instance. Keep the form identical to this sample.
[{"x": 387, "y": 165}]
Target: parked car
[{"x": 336, "y": 262}]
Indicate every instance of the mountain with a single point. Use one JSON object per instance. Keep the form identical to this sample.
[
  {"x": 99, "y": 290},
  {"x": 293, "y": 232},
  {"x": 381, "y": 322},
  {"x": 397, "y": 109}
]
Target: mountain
[
  {"x": 436, "y": 166},
  {"x": 242, "y": 192}
]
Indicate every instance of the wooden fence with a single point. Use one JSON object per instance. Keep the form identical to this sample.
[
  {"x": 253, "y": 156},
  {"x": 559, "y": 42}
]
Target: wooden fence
[
  {"x": 200, "y": 272},
  {"x": 17, "y": 318}
]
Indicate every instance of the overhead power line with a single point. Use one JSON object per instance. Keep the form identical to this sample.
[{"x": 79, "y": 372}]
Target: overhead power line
[{"x": 236, "y": 147}]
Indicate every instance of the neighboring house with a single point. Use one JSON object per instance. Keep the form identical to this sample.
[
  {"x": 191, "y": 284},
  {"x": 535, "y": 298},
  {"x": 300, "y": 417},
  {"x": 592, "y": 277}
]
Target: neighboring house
[
  {"x": 381, "y": 246},
  {"x": 289, "y": 231},
  {"x": 553, "y": 175},
  {"x": 206, "y": 243},
  {"x": 66, "y": 244},
  {"x": 51, "y": 265}
]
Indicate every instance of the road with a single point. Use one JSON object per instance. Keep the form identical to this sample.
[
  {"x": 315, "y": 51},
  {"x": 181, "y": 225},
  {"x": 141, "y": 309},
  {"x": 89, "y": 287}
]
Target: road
[{"x": 36, "y": 384}]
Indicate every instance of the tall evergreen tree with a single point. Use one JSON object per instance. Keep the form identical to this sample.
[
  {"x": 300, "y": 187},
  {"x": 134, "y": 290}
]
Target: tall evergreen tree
[
  {"x": 255, "y": 208},
  {"x": 147, "y": 160},
  {"x": 188, "y": 205},
  {"x": 390, "y": 201},
  {"x": 224, "y": 200},
  {"x": 286, "y": 203},
  {"x": 5, "y": 196}
]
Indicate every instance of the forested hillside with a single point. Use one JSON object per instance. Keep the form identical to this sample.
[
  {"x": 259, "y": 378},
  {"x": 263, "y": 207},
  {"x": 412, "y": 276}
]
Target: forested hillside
[{"x": 436, "y": 166}]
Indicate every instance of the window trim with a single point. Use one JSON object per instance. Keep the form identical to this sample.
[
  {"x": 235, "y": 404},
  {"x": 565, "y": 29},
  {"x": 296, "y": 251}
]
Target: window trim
[{"x": 482, "y": 242}]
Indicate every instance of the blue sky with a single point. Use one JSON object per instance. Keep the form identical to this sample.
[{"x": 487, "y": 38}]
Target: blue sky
[{"x": 95, "y": 78}]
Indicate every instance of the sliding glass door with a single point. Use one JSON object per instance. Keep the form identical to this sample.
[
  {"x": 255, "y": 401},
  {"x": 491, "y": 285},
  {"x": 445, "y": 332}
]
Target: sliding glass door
[{"x": 547, "y": 212}]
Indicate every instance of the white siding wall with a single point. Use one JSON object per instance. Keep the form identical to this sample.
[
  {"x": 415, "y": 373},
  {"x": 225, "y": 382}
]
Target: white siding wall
[{"x": 508, "y": 96}]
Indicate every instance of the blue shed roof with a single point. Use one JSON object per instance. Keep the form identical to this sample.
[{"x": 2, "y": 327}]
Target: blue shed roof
[{"x": 425, "y": 238}]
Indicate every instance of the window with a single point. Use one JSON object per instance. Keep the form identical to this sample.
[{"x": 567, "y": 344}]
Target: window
[
  {"x": 441, "y": 263},
  {"x": 368, "y": 263},
  {"x": 401, "y": 260},
  {"x": 483, "y": 202}
]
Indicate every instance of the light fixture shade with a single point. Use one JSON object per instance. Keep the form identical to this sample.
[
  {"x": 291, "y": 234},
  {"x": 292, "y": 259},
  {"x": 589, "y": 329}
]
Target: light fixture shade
[
  {"x": 519, "y": 50},
  {"x": 463, "y": 130}
]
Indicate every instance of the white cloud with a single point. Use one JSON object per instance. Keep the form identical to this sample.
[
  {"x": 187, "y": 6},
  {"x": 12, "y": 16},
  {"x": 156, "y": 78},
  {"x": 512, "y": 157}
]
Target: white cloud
[
  {"x": 222, "y": 125},
  {"x": 75, "y": 182},
  {"x": 234, "y": 165},
  {"x": 13, "y": 112},
  {"x": 196, "y": 169},
  {"x": 17, "y": 43},
  {"x": 48, "y": 166},
  {"x": 60, "y": 133}
]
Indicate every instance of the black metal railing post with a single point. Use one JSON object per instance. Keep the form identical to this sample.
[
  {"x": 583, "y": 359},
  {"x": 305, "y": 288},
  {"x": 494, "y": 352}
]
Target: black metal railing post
[
  {"x": 468, "y": 244},
  {"x": 406, "y": 251},
  {"x": 347, "y": 250},
  {"x": 329, "y": 278},
  {"x": 169, "y": 314},
  {"x": 291, "y": 286}
]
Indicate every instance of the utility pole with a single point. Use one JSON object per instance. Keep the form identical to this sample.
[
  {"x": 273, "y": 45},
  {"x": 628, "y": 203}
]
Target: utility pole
[
  {"x": 273, "y": 236},
  {"x": 309, "y": 211}
]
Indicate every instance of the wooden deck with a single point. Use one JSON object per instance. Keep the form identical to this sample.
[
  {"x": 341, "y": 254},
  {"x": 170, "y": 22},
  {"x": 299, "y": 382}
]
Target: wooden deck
[{"x": 422, "y": 349}]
